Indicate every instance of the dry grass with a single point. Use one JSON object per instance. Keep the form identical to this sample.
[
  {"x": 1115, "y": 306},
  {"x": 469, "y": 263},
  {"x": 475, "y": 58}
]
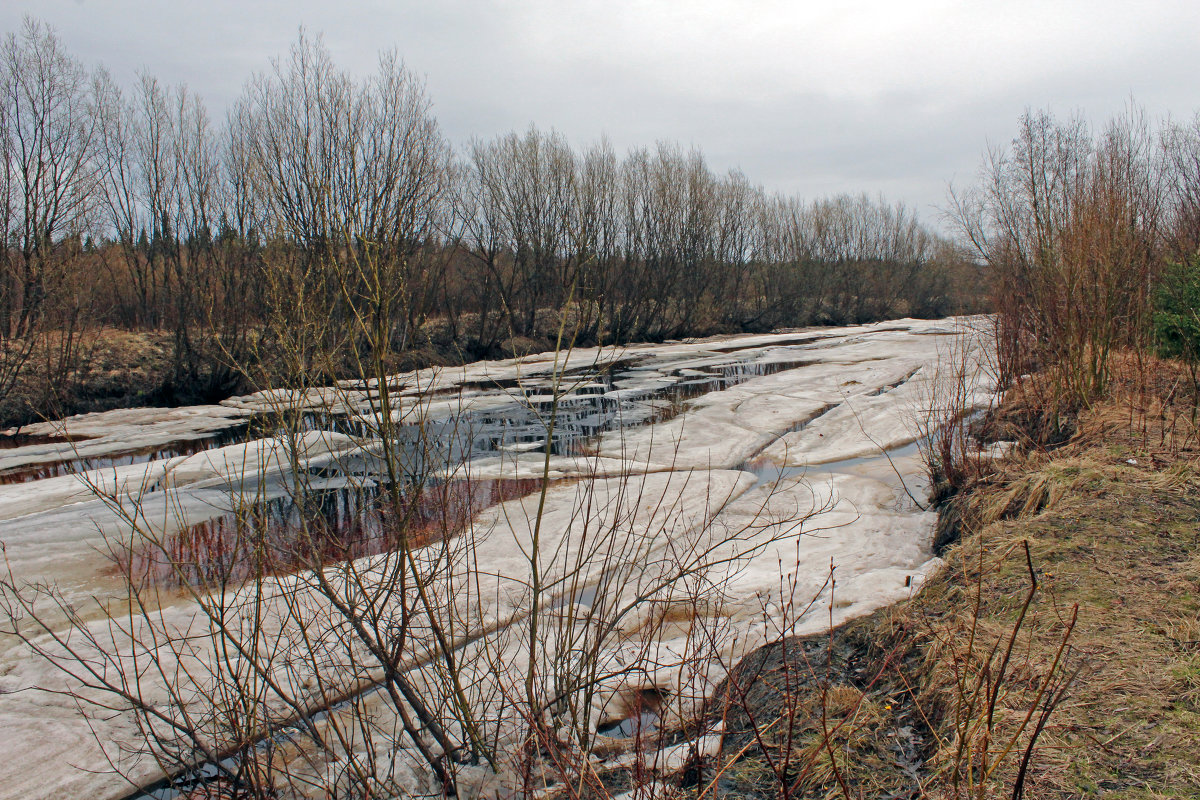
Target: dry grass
[
  {"x": 1112, "y": 520},
  {"x": 823, "y": 716},
  {"x": 105, "y": 368}
]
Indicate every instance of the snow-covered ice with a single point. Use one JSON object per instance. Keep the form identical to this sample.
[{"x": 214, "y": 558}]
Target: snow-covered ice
[{"x": 814, "y": 409}]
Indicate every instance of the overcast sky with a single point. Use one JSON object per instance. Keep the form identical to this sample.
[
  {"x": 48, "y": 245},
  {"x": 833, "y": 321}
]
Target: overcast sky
[{"x": 890, "y": 97}]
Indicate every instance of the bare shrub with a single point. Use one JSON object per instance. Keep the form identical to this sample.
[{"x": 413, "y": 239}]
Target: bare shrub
[{"x": 1069, "y": 222}]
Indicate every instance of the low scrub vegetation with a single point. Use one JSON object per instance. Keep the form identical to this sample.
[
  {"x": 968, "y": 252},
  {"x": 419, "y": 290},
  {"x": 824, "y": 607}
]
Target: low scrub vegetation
[
  {"x": 1078, "y": 228},
  {"x": 1109, "y": 520}
]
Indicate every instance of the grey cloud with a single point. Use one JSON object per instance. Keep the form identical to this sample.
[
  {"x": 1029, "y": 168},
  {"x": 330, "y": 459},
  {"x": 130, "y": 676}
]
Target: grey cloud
[{"x": 898, "y": 98}]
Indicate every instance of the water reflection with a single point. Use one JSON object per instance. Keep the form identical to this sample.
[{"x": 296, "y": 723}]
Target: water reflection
[
  {"x": 182, "y": 447},
  {"x": 591, "y": 401},
  {"x": 12, "y": 441},
  {"x": 571, "y": 419},
  {"x": 355, "y": 516},
  {"x": 324, "y": 526}
]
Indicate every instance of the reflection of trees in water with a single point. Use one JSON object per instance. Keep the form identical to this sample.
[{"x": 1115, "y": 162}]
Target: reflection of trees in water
[
  {"x": 597, "y": 404},
  {"x": 326, "y": 526},
  {"x": 583, "y": 414}
]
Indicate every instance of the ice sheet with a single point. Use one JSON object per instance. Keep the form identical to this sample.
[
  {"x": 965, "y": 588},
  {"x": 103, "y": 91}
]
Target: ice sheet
[{"x": 860, "y": 390}]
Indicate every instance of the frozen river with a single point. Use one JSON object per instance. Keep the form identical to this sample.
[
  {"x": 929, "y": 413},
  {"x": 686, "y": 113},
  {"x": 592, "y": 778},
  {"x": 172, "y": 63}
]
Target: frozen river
[{"x": 779, "y": 437}]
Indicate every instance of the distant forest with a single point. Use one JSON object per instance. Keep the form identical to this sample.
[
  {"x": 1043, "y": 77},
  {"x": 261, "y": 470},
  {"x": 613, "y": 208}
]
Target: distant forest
[{"x": 321, "y": 203}]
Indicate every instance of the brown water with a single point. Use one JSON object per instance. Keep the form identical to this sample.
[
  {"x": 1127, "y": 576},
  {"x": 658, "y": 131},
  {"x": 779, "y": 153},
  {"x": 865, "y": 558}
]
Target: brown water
[
  {"x": 13, "y": 441},
  {"x": 324, "y": 527}
]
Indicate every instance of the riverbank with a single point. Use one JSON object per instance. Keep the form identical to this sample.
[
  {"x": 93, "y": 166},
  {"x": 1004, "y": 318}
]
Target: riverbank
[
  {"x": 923, "y": 698},
  {"x": 1067, "y": 615}
]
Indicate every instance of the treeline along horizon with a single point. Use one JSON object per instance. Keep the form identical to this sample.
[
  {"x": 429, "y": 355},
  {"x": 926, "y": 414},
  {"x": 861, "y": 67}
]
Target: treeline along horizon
[{"x": 320, "y": 196}]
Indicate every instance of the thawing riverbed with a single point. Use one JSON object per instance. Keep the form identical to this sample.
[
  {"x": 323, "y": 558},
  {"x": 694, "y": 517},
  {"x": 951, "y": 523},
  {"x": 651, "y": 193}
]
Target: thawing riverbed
[{"x": 783, "y": 435}]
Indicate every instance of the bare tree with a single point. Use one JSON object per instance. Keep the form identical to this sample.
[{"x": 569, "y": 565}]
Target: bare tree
[
  {"x": 50, "y": 146},
  {"x": 339, "y": 167},
  {"x": 1070, "y": 223},
  {"x": 51, "y": 134},
  {"x": 519, "y": 226}
]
